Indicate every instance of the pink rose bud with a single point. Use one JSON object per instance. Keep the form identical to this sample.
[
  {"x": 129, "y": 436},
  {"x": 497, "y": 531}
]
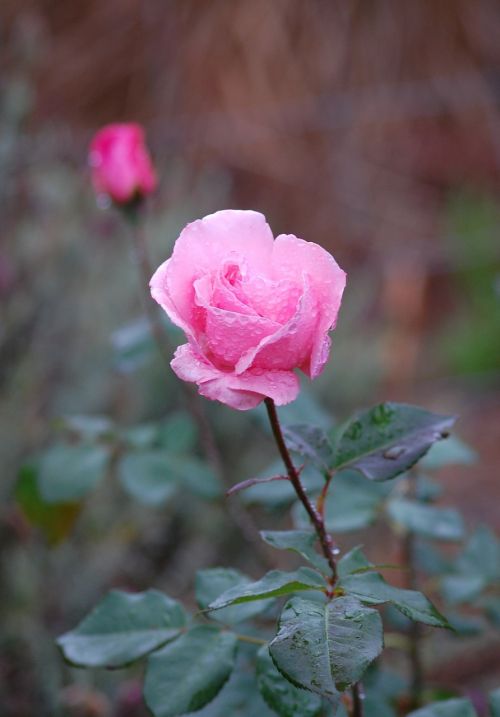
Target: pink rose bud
[
  {"x": 120, "y": 162},
  {"x": 253, "y": 308}
]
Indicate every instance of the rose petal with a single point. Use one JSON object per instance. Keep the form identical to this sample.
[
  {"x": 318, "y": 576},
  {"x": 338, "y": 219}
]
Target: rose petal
[
  {"x": 206, "y": 245},
  {"x": 327, "y": 285},
  {"x": 240, "y": 392},
  {"x": 290, "y": 346}
]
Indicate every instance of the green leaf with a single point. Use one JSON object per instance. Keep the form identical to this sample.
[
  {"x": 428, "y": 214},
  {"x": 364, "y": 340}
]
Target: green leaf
[
  {"x": 491, "y": 607},
  {"x": 352, "y": 503},
  {"x": 89, "y": 428},
  {"x": 178, "y": 434},
  {"x": 494, "y": 702},
  {"x": 54, "y": 520},
  {"x": 388, "y": 439},
  {"x": 372, "y": 589},
  {"x": 427, "y": 520},
  {"x": 147, "y": 477},
  {"x": 284, "y": 698},
  {"x": 122, "y": 628},
  {"x": 153, "y": 476},
  {"x": 273, "y": 584},
  {"x": 481, "y": 555},
  {"x": 133, "y": 345},
  {"x": 457, "y": 589},
  {"x": 213, "y": 582},
  {"x": 354, "y": 561},
  {"x": 298, "y": 541},
  {"x": 466, "y": 625},
  {"x": 187, "y": 674},
  {"x": 239, "y": 698},
  {"x": 447, "y": 708},
  {"x": 325, "y": 648},
  {"x": 453, "y": 451},
  {"x": 310, "y": 442},
  {"x": 66, "y": 473}
]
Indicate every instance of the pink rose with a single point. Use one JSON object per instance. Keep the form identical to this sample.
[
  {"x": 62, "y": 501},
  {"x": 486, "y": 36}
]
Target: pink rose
[
  {"x": 120, "y": 163},
  {"x": 253, "y": 308}
]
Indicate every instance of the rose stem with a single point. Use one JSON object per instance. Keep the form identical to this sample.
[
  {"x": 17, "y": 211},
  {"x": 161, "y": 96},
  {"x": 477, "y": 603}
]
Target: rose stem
[
  {"x": 237, "y": 513},
  {"x": 357, "y": 702},
  {"x": 315, "y": 515},
  {"x": 316, "y": 518}
]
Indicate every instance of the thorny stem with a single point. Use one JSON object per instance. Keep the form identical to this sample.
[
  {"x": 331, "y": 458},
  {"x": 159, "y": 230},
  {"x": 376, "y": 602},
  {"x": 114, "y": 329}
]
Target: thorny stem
[
  {"x": 139, "y": 243},
  {"x": 357, "y": 701},
  {"x": 316, "y": 518}
]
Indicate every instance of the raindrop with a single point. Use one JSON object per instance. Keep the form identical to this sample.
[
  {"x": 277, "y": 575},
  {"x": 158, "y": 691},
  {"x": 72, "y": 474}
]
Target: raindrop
[{"x": 394, "y": 453}]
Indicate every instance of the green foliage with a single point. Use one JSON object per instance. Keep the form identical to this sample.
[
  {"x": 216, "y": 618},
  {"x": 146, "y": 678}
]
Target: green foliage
[
  {"x": 477, "y": 567},
  {"x": 283, "y": 698},
  {"x": 309, "y": 442},
  {"x": 122, "y": 628},
  {"x": 495, "y": 702},
  {"x": 453, "y": 451},
  {"x": 372, "y": 589},
  {"x": 187, "y": 674},
  {"x": 448, "y": 708},
  {"x": 67, "y": 472},
  {"x": 146, "y": 476},
  {"x": 279, "y": 494},
  {"x": 273, "y": 584},
  {"x": 426, "y": 520},
  {"x": 154, "y": 476},
  {"x": 387, "y": 439},
  {"x": 301, "y": 542},
  {"x": 353, "y": 502},
  {"x": 325, "y": 648},
  {"x": 213, "y": 582},
  {"x": 55, "y": 520}
]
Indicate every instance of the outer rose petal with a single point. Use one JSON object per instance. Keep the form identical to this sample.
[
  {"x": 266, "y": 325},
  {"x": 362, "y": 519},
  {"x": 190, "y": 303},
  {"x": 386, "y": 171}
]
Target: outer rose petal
[
  {"x": 239, "y": 392},
  {"x": 328, "y": 282},
  {"x": 205, "y": 245}
]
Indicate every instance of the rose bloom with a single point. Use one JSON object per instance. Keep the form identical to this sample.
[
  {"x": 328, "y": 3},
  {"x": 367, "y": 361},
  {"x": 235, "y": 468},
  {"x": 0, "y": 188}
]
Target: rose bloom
[
  {"x": 253, "y": 308},
  {"x": 120, "y": 163}
]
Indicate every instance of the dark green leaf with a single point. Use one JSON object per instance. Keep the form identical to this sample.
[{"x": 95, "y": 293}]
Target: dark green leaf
[
  {"x": 325, "y": 648},
  {"x": 147, "y": 477},
  {"x": 372, "y": 589},
  {"x": 239, "y": 698},
  {"x": 355, "y": 639},
  {"x": 430, "y": 560},
  {"x": 298, "y": 541},
  {"x": 353, "y": 561},
  {"x": 448, "y": 708},
  {"x": 68, "y": 472},
  {"x": 213, "y": 582},
  {"x": 310, "y": 442},
  {"x": 388, "y": 439},
  {"x": 495, "y": 702},
  {"x": 427, "y": 520},
  {"x": 54, "y": 520},
  {"x": 122, "y": 628},
  {"x": 284, "y": 698},
  {"x": 187, "y": 674},
  {"x": 273, "y": 584}
]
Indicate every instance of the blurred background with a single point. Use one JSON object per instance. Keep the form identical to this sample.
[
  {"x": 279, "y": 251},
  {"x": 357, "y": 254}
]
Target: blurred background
[{"x": 370, "y": 128}]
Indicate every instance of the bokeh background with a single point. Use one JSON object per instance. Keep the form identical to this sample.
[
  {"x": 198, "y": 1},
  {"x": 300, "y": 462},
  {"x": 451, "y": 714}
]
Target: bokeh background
[{"x": 370, "y": 128}]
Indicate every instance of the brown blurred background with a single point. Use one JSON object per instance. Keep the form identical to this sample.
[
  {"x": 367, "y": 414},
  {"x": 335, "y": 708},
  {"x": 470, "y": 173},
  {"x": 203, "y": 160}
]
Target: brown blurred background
[{"x": 372, "y": 128}]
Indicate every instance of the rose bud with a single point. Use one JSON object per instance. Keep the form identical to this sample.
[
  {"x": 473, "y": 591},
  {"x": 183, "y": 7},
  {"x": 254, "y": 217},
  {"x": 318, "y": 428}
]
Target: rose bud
[
  {"x": 253, "y": 308},
  {"x": 120, "y": 163}
]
